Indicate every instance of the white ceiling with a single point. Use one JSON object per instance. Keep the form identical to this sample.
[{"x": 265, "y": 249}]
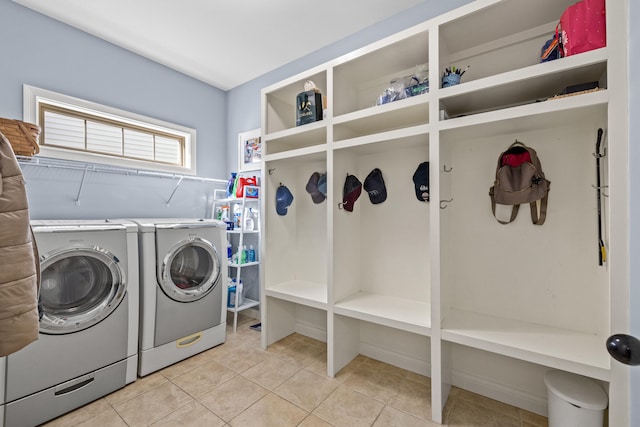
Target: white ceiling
[{"x": 223, "y": 43}]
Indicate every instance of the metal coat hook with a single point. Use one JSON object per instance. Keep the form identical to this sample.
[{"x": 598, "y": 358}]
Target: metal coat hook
[
  {"x": 271, "y": 171},
  {"x": 445, "y": 203},
  {"x": 600, "y": 188},
  {"x": 447, "y": 170},
  {"x": 604, "y": 153}
]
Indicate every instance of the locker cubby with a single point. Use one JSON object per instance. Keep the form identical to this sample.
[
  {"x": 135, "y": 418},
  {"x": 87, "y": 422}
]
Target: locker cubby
[
  {"x": 519, "y": 280},
  {"x": 280, "y": 112},
  {"x": 381, "y": 251},
  {"x": 491, "y": 42},
  {"x": 387, "y": 344},
  {"x": 285, "y": 317},
  {"x": 361, "y": 77},
  {"x": 299, "y": 270}
]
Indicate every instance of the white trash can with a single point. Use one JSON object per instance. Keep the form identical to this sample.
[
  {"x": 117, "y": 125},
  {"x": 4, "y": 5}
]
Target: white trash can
[{"x": 574, "y": 400}]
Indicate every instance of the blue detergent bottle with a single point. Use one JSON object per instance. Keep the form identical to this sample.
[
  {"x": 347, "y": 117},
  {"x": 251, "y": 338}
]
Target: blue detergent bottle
[{"x": 230, "y": 184}]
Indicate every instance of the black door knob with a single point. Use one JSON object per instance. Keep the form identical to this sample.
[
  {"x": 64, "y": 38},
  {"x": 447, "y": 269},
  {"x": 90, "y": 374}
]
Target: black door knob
[{"x": 624, "y": 348}]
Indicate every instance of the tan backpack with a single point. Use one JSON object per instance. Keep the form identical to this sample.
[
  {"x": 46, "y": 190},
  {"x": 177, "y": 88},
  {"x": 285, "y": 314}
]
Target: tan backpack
[{"x": 519, "y": 179}]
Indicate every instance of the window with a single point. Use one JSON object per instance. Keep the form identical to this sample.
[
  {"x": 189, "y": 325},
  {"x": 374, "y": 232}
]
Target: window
[{"x": 74, "y": 129}]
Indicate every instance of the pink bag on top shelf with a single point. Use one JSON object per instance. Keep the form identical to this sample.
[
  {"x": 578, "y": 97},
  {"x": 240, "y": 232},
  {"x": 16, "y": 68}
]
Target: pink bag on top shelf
[{"x": 583, "y": 27}]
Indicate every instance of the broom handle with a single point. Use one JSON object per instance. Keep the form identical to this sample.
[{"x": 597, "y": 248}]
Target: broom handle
[{"x": 601, "y": 248}]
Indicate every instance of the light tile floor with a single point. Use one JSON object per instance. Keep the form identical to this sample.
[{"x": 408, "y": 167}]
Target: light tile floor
[{"x": 238, "y": 384}]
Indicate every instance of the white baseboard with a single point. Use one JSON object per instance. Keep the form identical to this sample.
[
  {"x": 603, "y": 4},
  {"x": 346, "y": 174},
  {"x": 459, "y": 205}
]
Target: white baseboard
[
  {"x": 475, "y": 384},
  {"x": 311, "y": 331},
  {"x": 463, "y": 380},
  {"x": 500, "y": 392},
  {"x": 391, "y": 357}
]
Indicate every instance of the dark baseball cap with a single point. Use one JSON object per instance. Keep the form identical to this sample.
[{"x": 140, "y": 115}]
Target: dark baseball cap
[
  {"x": 284, "y": 198},
  {"x": 374, "y": 185},
  {"x": 313, "y": 188},
  {"x": 322, "y": 184},
  {"x": 421, "y": 182},
  {"x": 351, "y": 192}
]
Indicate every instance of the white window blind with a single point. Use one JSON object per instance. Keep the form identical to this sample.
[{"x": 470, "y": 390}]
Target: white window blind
[
  {"x": 78, "y": 131},
  {"x": 74, "y": 129},
  {"x": 64, "y": 131},
  {"x": 139, "y": 144},
  {"x": 102, "y": 138}
]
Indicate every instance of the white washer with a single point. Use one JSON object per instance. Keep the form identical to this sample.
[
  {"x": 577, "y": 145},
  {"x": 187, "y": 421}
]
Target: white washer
[
  {"x": 183, "y": 277},
  {"x": 87, "y": 346}
]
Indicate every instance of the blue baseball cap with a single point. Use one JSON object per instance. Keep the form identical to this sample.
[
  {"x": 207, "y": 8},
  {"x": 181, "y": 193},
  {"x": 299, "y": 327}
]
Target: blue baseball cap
[{"x": 284, "y": 198}]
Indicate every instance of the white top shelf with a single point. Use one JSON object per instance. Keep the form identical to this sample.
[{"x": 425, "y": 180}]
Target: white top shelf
[
  {"x": 400, "y": 313},
  {"x": 301, "y": 292},
  {"x": 564, "y": 349}
]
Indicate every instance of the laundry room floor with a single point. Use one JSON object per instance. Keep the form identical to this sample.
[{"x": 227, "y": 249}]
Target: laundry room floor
[{"x": 238, "y": 384}]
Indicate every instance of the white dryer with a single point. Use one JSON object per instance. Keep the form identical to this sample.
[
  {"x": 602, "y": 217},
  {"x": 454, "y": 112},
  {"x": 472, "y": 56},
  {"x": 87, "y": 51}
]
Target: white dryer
[
  {"x": 87, "y": 347},
  {"x": 183, "y": 277}
]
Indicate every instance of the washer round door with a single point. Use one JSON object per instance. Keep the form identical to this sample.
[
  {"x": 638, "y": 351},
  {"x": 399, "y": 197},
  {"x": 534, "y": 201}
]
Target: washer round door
[
  {"x": 190, "y": 270},
  {"x": 80, "y": 286}
]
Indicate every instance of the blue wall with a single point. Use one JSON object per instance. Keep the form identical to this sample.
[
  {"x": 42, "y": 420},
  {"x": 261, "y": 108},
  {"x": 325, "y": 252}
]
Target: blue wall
[{"x": 43, "y": 52}]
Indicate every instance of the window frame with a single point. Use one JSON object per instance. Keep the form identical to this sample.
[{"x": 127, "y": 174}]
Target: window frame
[{"x": 33, "y": 97}]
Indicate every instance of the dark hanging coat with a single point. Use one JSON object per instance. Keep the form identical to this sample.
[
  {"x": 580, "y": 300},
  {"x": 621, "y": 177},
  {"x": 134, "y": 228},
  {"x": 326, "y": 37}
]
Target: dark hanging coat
[{"x": 19, "y": 263}]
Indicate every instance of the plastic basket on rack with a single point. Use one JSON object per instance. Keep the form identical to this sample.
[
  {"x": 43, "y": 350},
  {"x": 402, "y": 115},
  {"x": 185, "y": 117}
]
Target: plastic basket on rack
[{"x": 22, "y": 136}]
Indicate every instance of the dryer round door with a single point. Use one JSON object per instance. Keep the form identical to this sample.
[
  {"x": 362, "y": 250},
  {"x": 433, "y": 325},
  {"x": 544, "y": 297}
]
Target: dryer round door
[
  {"x": 80, "y": 286},
  {"x": 190, "y": 270}
]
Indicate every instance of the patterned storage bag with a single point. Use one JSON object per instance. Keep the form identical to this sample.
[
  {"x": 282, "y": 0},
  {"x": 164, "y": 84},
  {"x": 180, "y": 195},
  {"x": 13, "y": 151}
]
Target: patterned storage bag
[{"x": 582, "y": 27}]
